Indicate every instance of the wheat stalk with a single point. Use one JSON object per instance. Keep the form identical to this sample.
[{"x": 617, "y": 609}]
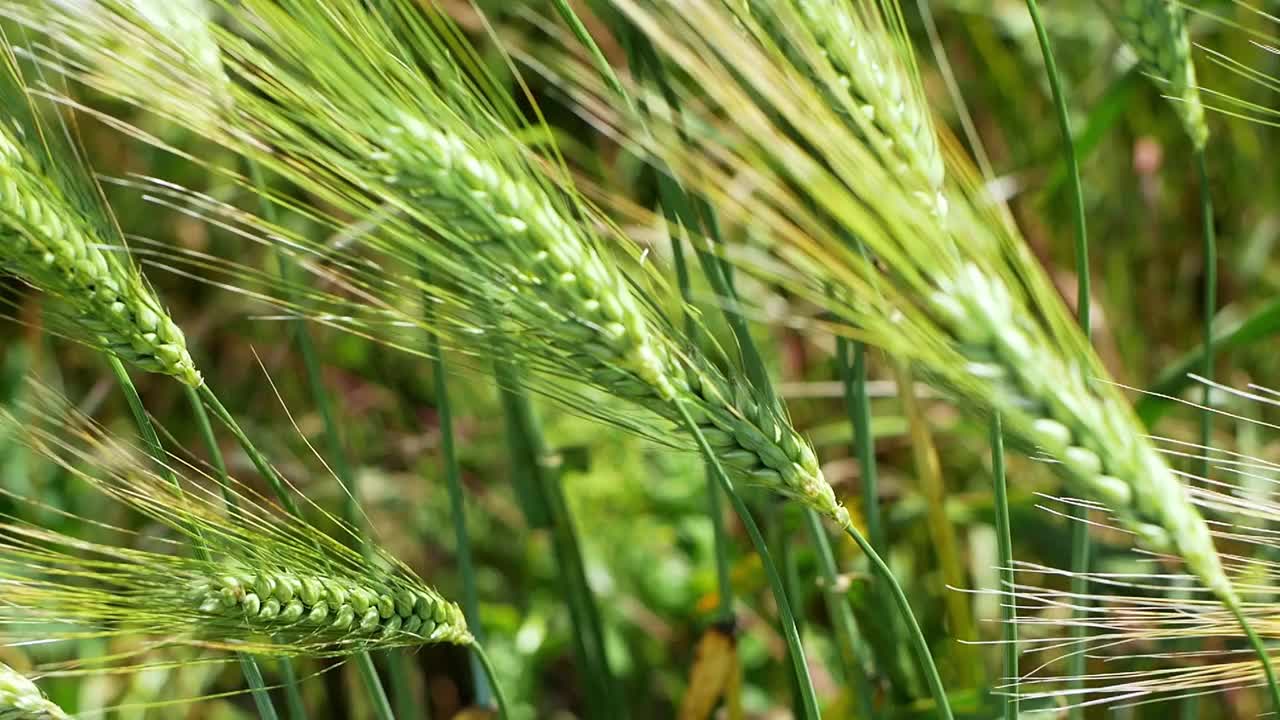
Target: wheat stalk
[
  {"x": 1156, "y": 31},
  {"x": 20, "y": 699}
]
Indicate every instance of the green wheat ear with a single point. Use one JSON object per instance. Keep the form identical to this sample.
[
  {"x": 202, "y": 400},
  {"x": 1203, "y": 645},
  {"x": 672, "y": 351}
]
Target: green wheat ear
[
  {"x": 20, "y": 699},
  {"x": 263, "y": 582},
  {"x": 56, "y": 236},
  {"x": 1156, "y": 31}
]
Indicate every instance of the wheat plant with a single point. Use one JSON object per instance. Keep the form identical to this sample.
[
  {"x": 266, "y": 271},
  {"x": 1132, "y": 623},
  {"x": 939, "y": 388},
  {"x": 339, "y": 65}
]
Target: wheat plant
[
  {"x": 264, "y": 582},
  {"x": 433, "y": 166},
  {"x": 493, "y": 190},
  {"x": 962, "y": 300}
]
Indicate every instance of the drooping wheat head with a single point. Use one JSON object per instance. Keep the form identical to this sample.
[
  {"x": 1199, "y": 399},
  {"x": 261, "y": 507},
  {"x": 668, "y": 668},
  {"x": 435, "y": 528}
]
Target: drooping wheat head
[
  {"x": 435, "y": 165},
  {"x": 56, "y": 236},
  {"x": 264, "y": 582},
  {"x": 20, "y": 699},
  {"x": 870, "y": 82}
]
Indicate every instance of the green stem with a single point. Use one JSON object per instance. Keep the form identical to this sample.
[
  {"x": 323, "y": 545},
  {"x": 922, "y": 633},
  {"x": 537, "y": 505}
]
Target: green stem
[
  {"x": 1210, "y": 305},
  {"x": 257, "y": 686},
  {"x": 458, "y": 514},
  {"x": 1004, "y": 544},
  {"x": 883, "y": 637},
  {"x": 402, "y": 697},
  {"x": 841, "y": 616},
  {"x": 1079, "y": 528},
  {"x": 377, "y": 696},
  {"x": 1260, "y": 648},
  {"x": 853, "y": 377},
  {"x": 916, "y": 636},
  {"x": 1190, "y": 706},
  {"x": 1083, "y": 292},
  {"x": 260, "y": 462},
  {"x": 597, "y": 56},
  {"x": 808, "y": 696},
  {"x": 253, "y": 674},
  {"x": 529, "y": 450},
  {"x": 504, "y": 706},
  {"x": 292, "y": 696}
]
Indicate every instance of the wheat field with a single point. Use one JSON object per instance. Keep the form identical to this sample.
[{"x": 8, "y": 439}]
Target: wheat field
[{"x": 375, "y": 359}]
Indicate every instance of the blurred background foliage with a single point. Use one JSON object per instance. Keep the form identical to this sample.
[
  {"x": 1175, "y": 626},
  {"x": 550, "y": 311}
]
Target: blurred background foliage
[{"x": 638, "y": 507}]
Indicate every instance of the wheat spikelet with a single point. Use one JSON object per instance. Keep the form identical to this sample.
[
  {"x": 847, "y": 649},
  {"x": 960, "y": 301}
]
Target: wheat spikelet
[
  {"x": 20, "y": 699},
  {"x": 331, "y": 608},
  {"x": 49, "y": 242},
  {"x": 871, "y": 82},
  {"x": 470, "y": 207},
  {"x": 1156, "y": 31}
]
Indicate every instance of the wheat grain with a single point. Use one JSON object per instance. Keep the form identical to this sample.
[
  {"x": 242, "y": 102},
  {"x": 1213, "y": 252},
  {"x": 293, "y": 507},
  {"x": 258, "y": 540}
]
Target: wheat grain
[
  {"x": 20, "y": 699},
  {"x": 330, "y": 609},
  {"x": 1156, "y": 31}
]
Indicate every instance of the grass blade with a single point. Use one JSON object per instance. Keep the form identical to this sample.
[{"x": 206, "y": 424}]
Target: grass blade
[{"x": 1080, "y": 529}]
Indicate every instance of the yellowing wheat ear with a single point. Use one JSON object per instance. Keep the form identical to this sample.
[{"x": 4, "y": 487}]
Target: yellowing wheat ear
[
  {"x": 62, "y": 244},
  {"x": 1156, "y": 31},
  {"x": 20, "y": 699}
]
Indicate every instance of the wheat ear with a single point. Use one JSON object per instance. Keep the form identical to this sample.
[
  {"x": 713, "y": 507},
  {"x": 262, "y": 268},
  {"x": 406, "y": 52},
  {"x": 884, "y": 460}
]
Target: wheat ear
[
  {"x": 52, "y": 242},
  {"x": 870, "y": 83},
  {"x": 1156, "y": 31},
  {"x": 20, "y": 699},
  {"x": 959, "y": 297},
  {"x": 1132, "y": 614},
  {"x": 263, "y": 582}
]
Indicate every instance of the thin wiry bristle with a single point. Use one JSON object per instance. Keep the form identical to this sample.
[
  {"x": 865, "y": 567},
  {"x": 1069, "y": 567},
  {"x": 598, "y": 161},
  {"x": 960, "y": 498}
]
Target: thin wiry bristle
[
  {"x": 263, "y": 582},
  {"x": 20, "y": 699},
  {"x": 1148, "y": 615},
  {"x": 472, "y": 219},
  {"x": 64, "y": 248}
]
